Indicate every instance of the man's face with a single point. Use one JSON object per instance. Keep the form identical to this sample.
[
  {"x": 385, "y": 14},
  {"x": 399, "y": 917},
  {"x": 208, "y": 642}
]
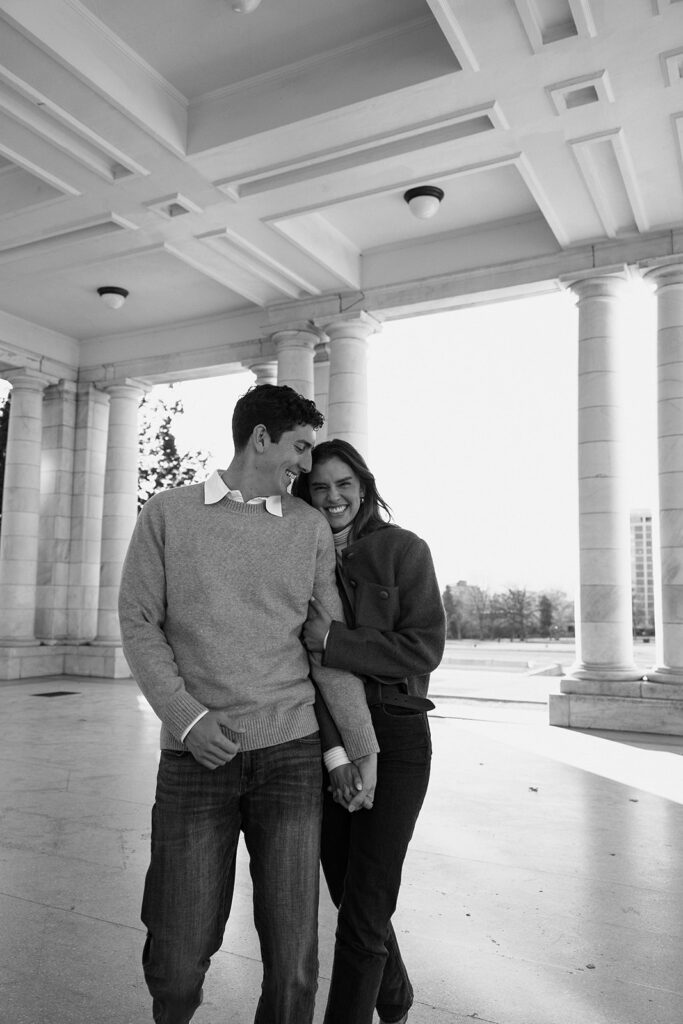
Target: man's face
[{"x": 281, "y": 463}]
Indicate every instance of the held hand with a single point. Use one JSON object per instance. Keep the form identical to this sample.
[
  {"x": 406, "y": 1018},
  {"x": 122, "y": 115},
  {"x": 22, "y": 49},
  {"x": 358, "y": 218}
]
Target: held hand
[
  {"x": 316, "y": 626},
  {"x": 367, "y": 766},
  {"x": 207, "y": 742},
  {"x": 345, "y": 783}
]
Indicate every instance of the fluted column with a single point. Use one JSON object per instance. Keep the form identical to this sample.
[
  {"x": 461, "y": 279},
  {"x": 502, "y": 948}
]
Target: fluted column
[
  {"x": 348, "y": 380},
  {"x": 295, "y": 359},
  {"x": 120, "y": 501},
  {"x": 56, "y": 496},
  {"x": 321, "y": 382},
  {"x": 90, "y": 461},
  {"x": 265, "y": 370},
  {"x": 603, "y": 619},
  {"x": 668, "y": 281},
  {"x": 21, "y": 509}
]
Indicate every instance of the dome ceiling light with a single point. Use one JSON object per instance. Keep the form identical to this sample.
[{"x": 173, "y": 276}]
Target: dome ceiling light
[
  {"x": 244, "y": 6},
  {"x": 423, "y": 200},
  {"x": 113, "y": 297}
]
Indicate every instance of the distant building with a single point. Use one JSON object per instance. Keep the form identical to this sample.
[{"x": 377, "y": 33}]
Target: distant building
[{"x": 642, "y": 579}]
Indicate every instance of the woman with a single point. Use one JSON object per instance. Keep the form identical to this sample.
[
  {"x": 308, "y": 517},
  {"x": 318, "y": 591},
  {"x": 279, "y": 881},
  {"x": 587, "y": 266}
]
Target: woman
[{"x": 393, "y": 637}]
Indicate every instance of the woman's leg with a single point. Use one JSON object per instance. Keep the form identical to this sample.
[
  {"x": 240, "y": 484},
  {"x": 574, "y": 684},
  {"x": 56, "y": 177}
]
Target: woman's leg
[{"x": 368, "y": 970}]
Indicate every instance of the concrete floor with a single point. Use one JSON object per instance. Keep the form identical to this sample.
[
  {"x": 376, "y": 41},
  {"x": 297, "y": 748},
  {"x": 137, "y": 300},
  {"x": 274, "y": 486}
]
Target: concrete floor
[{"x": 544, "y": 884}]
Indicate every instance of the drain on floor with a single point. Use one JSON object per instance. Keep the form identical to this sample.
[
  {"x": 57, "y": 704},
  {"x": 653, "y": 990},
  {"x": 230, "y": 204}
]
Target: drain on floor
[{"x": 56, "y": 693}]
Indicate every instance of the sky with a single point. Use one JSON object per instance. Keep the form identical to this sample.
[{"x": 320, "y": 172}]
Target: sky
[{"x": 473, "y": 433}]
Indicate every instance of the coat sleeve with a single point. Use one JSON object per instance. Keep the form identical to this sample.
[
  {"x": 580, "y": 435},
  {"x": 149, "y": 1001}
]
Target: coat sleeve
[{"x": 412, "y": 643}]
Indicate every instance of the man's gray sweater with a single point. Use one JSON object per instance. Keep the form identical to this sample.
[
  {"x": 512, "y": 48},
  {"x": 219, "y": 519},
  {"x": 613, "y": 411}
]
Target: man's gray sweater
[{"x": 213, "y": 598}]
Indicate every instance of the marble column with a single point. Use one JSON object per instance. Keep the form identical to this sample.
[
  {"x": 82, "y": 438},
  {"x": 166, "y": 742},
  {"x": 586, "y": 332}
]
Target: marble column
[
  {"x": 295, "y": 359},
  {"x": 603, "y": 614},
  {"x": 265, "y": 370},
  {"x": 56, "y": 493},
  {"x": 21, "y": 509},
  {"x": 90, "y": 460},
  {"x": 668, "y": 281},
  {"x": 348, "y": 380},
  {"x": 321, "y": 383},
  {"x": 120, "y": 501}
]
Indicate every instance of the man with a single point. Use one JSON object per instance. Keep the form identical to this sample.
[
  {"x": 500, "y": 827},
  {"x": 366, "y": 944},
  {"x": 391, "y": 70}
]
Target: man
[{"x": 215, "y": 591}]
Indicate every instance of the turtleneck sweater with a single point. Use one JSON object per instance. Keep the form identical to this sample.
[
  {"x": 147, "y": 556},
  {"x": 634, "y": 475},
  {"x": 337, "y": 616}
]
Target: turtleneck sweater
[{"x": 213, "y": 599}]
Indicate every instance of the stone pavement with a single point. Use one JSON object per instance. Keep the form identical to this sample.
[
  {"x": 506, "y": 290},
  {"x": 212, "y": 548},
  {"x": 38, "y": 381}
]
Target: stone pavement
[{"x": 544, "y": 884}]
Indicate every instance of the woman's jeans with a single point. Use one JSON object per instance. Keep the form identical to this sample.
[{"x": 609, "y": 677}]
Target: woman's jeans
[
  {"x": 362, "y": 857},
  {"x": 274, "y": 796}
]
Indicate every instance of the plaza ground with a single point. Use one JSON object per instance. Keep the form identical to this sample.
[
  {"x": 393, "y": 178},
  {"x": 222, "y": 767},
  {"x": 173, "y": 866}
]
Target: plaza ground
[{"x": 544, "y": 884}]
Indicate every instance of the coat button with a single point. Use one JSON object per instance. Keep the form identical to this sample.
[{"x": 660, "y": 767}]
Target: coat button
[
  {"x": 384, "y": 593},
  {"x": 352, "y": 582}
]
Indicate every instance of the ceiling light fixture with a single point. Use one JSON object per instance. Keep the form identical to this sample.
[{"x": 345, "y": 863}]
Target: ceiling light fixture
[
  {"x": 113, "y": 297},
  {"x": 423, "y": 200},
  {"x": 244, "y": 6}
]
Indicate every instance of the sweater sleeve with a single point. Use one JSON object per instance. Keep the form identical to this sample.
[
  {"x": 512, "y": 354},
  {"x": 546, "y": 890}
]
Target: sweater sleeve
[
  {"x": 142, "y": 609},
  {"x": 343, "y": 693},
  {"x": 416, "y": 643}
]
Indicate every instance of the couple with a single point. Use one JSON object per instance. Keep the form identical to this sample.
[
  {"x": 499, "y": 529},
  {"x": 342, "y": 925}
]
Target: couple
[{"x": 223, "y": 585}]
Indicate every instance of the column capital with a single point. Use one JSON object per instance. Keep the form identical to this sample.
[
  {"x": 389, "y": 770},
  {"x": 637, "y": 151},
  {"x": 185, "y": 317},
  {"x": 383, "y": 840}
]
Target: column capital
[
  {"x": 663, "y": 275},
  {"x": 62, "y": 388},
  {"x": 126, "y": 385},
  {"x": 265, "y": 370},
  {"x": 599, "y": 286},
  {"x": 27, "y": 380},
  {"x": 322, "y": 352},
  {"x": 352, "y": 325},
  {"x": 297, "y": 337}
]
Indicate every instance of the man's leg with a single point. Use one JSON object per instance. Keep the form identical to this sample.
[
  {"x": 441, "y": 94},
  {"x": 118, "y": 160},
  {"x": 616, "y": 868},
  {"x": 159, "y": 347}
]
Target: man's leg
[
  {"x": 189, "y": 885},
  {"x": 281, "y": 822}
]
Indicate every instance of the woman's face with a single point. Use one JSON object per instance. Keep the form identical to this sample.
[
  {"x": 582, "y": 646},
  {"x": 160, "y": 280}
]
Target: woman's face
[{"x": 336, "y": 491}]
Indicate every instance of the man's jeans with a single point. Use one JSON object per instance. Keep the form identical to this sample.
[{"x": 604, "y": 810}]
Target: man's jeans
[
  {"x": 362, "y": 857},
  {"x": 274, "y": 796}
]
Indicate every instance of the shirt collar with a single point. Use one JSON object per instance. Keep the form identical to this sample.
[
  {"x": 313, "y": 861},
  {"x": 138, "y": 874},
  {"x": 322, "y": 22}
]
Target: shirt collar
[{"x": 215, "y": 489}]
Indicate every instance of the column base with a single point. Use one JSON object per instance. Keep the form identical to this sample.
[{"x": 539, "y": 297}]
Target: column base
[
  {"x": 602, "y": 673},
  {"x": 649, "y": 713},
  {"x": 21, "y": 661},
  {"x": 665, "y": 674}
]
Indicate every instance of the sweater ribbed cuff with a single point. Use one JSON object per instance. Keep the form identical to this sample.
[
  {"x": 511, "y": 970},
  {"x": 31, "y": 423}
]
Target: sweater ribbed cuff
[
  {"x": 359, "y": 742},
  {"x": 182, "y": 712}
]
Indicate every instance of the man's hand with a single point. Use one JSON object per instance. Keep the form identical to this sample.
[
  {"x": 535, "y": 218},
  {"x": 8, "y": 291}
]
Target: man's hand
[
  {"x": 345, "y": 783},
  {"x": 316, "y": 626},
  {"x": 364, "y": 800},
  {"x": 207, "y": 742}
]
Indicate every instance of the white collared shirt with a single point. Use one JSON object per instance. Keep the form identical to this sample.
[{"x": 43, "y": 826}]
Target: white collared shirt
[{"x": 215, "y": 489}]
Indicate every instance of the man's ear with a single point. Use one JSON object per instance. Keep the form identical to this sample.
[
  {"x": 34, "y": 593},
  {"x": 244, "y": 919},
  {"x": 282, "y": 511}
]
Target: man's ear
[{"x": 260, "y": 437}]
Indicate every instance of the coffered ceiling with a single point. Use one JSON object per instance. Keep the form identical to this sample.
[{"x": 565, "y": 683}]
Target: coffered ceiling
[{"x": 236, "y": 172}]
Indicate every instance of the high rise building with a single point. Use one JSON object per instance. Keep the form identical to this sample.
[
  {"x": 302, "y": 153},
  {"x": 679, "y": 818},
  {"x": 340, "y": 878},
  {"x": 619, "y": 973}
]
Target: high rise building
[{"x": 642, "y": 581}]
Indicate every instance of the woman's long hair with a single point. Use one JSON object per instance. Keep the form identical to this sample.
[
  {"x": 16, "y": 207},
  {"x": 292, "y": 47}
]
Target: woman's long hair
[{"x": 374, "y": 512}]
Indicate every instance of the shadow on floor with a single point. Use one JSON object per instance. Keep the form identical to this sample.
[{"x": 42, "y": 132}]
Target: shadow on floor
[{"x": 543, "y": 886}]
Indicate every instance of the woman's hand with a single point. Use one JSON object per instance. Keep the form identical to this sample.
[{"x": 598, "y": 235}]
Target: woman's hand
[
  {"x": 353, "y": 785},
  {"x": 316, "y": 626},
  {"x": 345, "y": 783}
]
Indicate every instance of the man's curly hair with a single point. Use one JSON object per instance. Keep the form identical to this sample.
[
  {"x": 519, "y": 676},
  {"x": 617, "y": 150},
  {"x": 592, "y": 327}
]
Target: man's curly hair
[{"x": 277, "y": 407}]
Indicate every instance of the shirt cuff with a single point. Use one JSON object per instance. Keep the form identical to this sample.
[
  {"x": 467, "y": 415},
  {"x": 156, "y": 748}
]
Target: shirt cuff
[
  {"x": 192, "y": 724},
  {"x": 335, "y": 757},
  {"x": 325, "y": 640}
]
